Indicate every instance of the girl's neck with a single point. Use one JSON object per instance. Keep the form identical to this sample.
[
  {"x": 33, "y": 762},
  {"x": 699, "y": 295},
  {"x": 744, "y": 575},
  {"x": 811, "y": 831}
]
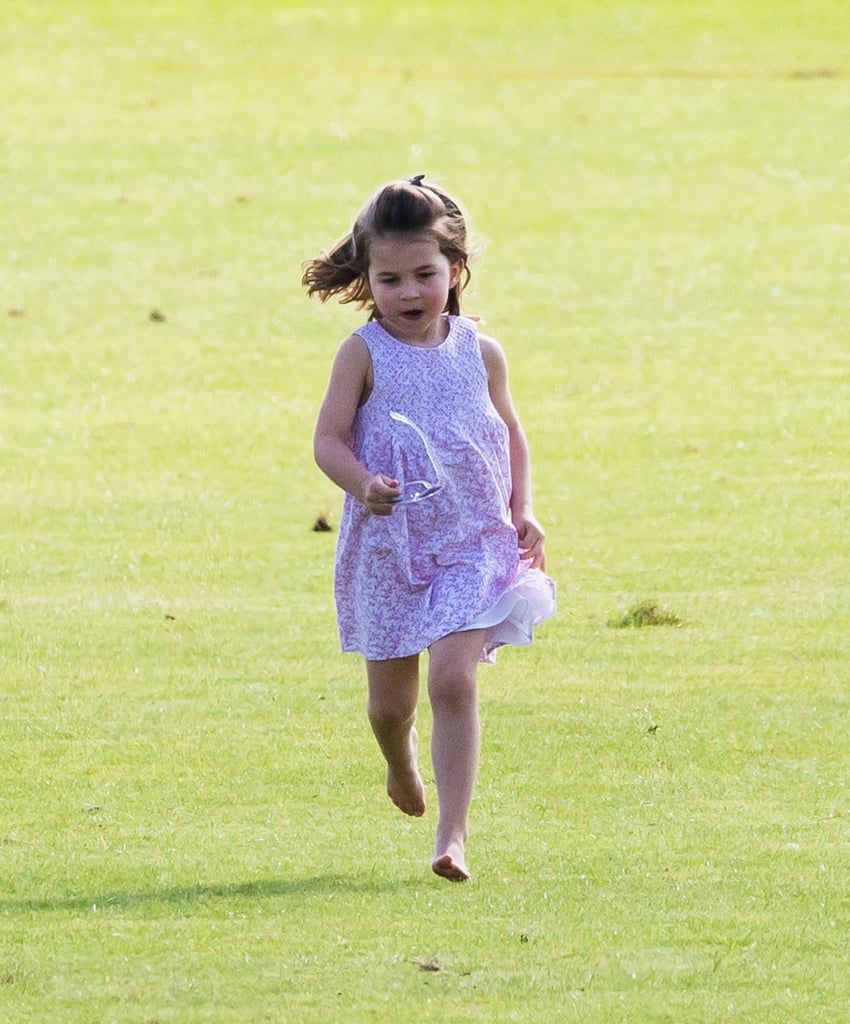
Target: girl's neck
[{"x": 433, "y": 338}]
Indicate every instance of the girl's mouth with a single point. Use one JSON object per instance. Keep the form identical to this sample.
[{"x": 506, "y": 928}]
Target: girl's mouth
[{"x": 412, "y": 314}]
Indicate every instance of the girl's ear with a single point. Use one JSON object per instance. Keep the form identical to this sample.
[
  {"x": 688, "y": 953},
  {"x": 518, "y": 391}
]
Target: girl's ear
[{"x": 456, "y": 271}]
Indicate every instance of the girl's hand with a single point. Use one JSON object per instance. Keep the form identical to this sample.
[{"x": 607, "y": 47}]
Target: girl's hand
[
  {"x": 379, "y": 493},
  {"x": 531, "y": 537}
]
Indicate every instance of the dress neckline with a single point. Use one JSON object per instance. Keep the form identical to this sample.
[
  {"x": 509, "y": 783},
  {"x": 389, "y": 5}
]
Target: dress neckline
[{"x": 423, "y": 348}]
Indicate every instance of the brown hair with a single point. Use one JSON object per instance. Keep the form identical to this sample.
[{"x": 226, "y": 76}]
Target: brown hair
[{"x": 401, "y": 206}]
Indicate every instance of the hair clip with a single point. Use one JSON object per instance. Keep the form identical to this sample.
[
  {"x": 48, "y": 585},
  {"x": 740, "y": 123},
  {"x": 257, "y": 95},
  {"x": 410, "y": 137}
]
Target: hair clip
[{"x": 417, "y": 179}]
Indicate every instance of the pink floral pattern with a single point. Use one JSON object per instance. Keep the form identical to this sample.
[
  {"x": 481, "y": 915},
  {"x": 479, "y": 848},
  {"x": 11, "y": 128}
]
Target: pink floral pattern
[{"x": 433, "y": 567}]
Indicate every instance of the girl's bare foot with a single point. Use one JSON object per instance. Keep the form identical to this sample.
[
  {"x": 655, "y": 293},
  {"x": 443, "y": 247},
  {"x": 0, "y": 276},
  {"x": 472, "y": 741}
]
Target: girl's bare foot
[
  {"x": 451, "y": 864},
  {"x": 405, "y": 788}
]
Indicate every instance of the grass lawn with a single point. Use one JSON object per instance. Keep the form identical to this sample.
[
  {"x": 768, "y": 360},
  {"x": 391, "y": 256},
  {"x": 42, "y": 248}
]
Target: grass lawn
[{"x": 192, "y": 821}]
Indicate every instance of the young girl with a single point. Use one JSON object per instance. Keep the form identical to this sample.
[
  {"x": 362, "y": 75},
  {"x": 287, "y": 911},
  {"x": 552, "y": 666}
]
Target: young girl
[{"x": 438, "y": 546}]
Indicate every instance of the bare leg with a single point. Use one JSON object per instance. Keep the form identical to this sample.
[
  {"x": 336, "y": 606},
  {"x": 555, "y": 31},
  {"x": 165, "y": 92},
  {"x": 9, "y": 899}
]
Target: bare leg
[
  {"x": 455, "y": 744},
  {"x": 393, "y": 696}
]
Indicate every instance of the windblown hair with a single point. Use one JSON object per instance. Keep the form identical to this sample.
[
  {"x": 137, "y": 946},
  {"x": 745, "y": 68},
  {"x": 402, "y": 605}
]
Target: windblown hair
[{"x": 399, "y": 207}]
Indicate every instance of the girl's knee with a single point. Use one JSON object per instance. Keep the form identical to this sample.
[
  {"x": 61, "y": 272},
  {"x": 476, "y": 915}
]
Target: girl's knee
[
  {"x": 453, "y": 690},
  {"x": 390, "y": 709},
  {"x": 393, "y": 690},
  {"x": 453, "y": 669}
]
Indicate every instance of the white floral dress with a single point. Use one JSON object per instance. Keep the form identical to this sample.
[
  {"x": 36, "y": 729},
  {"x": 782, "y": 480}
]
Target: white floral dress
[{"x": 449, "y": 562}]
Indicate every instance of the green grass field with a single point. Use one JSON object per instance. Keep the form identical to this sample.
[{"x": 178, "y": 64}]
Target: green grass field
[{"x": 192, "y": 822}]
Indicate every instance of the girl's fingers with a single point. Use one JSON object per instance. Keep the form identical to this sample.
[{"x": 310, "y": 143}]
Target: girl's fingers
[
  {"x": 380, "y": 494},
  {"x": 535, "y": 554}
]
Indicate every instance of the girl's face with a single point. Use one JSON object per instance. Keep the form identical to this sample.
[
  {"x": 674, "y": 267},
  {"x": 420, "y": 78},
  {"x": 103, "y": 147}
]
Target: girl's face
[{"x": 410, "y": 280}]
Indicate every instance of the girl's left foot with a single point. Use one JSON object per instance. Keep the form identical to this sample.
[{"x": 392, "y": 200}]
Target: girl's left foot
[{"x": 451, "y": 865}]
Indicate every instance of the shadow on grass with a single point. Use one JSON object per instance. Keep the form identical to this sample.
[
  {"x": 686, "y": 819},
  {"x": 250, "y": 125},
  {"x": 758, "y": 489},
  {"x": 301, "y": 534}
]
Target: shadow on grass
[{"x": 319, "y": 886}]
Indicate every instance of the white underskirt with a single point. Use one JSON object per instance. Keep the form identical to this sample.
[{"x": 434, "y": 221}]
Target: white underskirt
[{"x": 529, "y": 600}]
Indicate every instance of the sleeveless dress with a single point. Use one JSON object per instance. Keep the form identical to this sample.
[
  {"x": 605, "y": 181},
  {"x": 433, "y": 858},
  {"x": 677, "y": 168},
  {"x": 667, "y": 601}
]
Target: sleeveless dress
[{"x": 449, "y": 562}]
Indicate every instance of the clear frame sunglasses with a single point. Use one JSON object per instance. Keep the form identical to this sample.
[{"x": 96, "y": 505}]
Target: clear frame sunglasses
[{"x": 418, "y": 490}]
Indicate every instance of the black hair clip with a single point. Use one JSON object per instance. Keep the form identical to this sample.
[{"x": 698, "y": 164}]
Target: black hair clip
[{"x": 417, "y": 179}]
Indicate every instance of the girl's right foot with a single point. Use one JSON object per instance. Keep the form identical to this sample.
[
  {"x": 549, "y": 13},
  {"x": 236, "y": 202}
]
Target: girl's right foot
[{"x": 405, "y": 788}]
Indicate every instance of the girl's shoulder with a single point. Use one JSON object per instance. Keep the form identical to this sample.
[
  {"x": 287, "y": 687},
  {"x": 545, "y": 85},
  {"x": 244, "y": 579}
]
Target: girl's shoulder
[
  {"x": 490, "y": 350},
  {"x": 352, "y": 369},
  {"x": 467, "y": 324},
  {"x": 493, "y": 357},
  {"x": 365, "y": 332},
  {"x": 465, "y": 330},
  {"x": 471, "y": 325},
  {"x": 353, "y": 361},
  {"x": 354, "y": 347}
]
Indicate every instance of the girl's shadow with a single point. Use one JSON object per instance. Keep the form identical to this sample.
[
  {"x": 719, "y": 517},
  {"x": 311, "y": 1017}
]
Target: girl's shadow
[{"x": 177, "y": 896}]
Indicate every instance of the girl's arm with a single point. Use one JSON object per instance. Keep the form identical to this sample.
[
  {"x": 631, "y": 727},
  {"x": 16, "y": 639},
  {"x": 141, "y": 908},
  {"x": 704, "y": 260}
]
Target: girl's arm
[
  {"x": 530, "y": 532},
  {"x": 350, "y": 384}
]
